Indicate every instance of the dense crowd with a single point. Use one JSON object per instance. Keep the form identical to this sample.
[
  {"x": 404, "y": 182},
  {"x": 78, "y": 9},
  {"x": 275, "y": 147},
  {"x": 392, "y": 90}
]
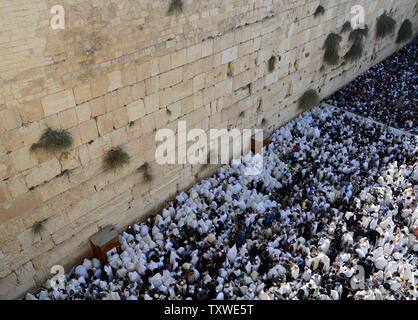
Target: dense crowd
[
  {"x": 333, "y": 215},
  {"x": 387, "y": 92}
]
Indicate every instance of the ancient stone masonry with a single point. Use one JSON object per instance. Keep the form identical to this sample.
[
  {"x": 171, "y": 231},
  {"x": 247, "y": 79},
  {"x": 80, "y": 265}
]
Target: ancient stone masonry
[{"x": 122, "y": 69}]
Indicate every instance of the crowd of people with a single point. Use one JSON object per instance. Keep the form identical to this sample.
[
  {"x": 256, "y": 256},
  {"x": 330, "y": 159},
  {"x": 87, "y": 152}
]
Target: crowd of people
[
  {"x": 387, "y": 92},
  {"x": 332, "y": 216}
]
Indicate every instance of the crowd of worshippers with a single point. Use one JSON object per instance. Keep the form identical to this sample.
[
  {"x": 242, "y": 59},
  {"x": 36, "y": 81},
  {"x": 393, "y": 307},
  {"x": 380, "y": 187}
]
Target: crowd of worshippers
[
  {"x": 387, "y": 92},
  {"x": 332, "y": 216}
]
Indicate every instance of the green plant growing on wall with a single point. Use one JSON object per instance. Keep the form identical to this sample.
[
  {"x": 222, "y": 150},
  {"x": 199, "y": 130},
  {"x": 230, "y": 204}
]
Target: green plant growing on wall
[
  {"x": 319, "y": 11},
  {"x": 385, "y": 26},
  {"x": 176, "y": 6},
  {"x": 355, "y": 52},
  {"x": 169, "y": 112},
  {"x": 37, "y": 227},
  {"x": 358, "y": 35},
  {"x": 272, "y": 63},
  {"x": 405, "y": 31},
  {"x": 145, "y": 169},
  {"x": 308, "y": 100},
  {"x": 53, "y": 140},
  {"x": 331, "y": 46},
  {"x": 346, "y": 27},
  {"x": 115, "y": 158}
]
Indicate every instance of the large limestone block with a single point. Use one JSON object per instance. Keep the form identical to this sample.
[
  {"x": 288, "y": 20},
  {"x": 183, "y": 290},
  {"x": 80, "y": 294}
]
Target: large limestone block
[
  {"x": 45, "y": 172},
  {"x": 58, "y": 102},
  {"x": 136, "y": 110},
  {"x": 171, "y": 78},
  {"x": 88, "y": 131},
  {"x": 23, "y": 159},
  {"x": 114, "y": 80},
  {"x": 31, "y": 111},
  {"x": 7, "y": 286},
  {"x": 230, "y": 55}
]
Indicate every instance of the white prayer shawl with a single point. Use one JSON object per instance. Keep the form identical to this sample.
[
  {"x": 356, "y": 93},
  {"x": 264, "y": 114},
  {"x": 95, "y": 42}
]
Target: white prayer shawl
[
  {"x": 144, "y": 230},
  {"x": 87, "y": 263},
  {"x": 134, "y": 276},
  {"x": 232, "y": 254},
  {"x": 306, "y": 276},
  {"x": 96, "y": 263},
  {"x": 334, "y": 295},
  {"x": 381, "y": 263},
  {"x": 405, "y": 272},
  {"x": 140, "y": 267},
  {"x": 81, "y": 270},
  {"x": 220, "y": 296},
  {"x": 391, "y": 268},
  {"x": 295, "y": 271},
  {"x": 156, "y": 280},
  {"x": 30, "y": 297},
  {"x": 112, "y": 296},
  {"x": 121, "y": 273}
]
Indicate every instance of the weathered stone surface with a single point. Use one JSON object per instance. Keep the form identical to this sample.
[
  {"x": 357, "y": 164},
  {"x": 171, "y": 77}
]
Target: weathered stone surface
[
  {"x": 171, "y": 78},
  {"x": 88, "y": 131},
  {"x": 136, "y": 110},
  {"x": 7, "y": 284},
  {"x": 22, "y": 204},
  {"x": 24, "y": 159},
  {"x": 82, "y": 93},
  {"x": 68, "y": 118},
  {"x": 114, "y": 80},
  {"x": 229, "y": 55},
  {"x": 58, "y": 102},
  {"x": 31, "y": 111},
  {"x": 44, "y": 172},
  {"x": 97, "y": 107}
]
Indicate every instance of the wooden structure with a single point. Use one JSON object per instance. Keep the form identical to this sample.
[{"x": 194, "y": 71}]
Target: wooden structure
[
  {"x": 104, "y": 241},
  {"x": 266, "y": 142}
]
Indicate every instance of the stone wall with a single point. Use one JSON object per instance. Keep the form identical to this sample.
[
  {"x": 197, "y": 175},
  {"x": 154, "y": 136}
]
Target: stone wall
[{"x": 109, "y": 77}]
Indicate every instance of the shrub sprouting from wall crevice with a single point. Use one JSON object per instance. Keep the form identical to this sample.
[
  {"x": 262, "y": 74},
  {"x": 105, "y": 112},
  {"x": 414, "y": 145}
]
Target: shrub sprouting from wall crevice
[
  {"x": 272, "y": 63},
  {"x": 346, "y": 27},
  {"x": 146, "y": 171},
  {"x": 405, "y": 31},
  {"x": 38, "y": 226},
  {"x": 331, "y": 46},
  {"x": 385, "y": 26},
  {"x": 320, "y": 10},
  {"x": 356, "y": 50},
  {"x": 53, "y": 140},
  {"x": 176, "y": 6},
  {"x": 358, "y": 35},
  {"x": 308, "y": 100},
  {"x": 115, "y": 158}
]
